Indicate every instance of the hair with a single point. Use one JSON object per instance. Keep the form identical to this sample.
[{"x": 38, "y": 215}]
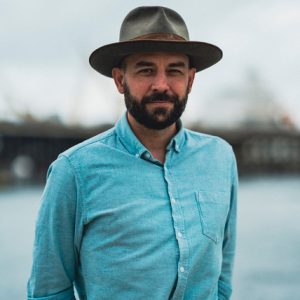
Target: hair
[{"x": 122, "y": 64}]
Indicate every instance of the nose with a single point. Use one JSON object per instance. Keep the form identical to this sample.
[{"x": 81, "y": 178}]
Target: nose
[{"x": 160, "y": 83}]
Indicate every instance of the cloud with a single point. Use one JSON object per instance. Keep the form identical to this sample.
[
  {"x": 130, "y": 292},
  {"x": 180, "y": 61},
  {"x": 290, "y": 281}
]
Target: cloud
[{"x": 45, "y": 47}]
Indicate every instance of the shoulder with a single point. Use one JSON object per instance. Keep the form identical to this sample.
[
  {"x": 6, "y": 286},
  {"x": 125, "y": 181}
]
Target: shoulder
[
  {"x": 89, "y": 145},
  {"x": 209, "y": 148},
  {"x": 203, "y": 140},
  {"x": 213, "y": 150},
  {"x": 86, "y": 152}
]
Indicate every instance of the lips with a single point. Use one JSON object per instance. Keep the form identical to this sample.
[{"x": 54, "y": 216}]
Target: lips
[
  {"x": 160, "y": 101},
  {"x": 158, "y": 98}
]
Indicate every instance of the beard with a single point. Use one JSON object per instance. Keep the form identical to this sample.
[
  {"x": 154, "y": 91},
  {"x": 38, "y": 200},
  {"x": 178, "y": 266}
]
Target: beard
[{"x": 159, "y": 118}]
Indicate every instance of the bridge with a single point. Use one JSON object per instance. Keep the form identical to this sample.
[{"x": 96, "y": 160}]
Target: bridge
[
  {"x": 264, "y": 150},
  {"x": 26, "y": 150}
]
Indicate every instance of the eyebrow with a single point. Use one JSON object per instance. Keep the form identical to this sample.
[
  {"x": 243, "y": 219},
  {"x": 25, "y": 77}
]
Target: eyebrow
[
  {"x": 144, "y": 64},
  {"x": 150, "y": 64},
  {"x": 177, "y": 64}
]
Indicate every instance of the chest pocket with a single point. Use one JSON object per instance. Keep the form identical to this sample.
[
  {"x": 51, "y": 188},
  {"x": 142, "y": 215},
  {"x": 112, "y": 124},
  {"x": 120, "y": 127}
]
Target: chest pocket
[{"x": 213, "y": 210}]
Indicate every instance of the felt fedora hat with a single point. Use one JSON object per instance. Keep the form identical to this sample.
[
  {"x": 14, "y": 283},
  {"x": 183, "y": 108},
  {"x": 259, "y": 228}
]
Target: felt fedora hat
[{"x": 154, "y": 29}]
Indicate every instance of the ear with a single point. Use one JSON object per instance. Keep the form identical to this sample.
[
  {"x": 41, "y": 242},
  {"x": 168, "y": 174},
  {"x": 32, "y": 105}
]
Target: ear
[
  {"x": 192, "y": 72},
  {"x": 118, "y": 76}
]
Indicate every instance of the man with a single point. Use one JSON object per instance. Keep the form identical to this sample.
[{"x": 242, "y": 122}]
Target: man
[{"x": 146, "y": 210}]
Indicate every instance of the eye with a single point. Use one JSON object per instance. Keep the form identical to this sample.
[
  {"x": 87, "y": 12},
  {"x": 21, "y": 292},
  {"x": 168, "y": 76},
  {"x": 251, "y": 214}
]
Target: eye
[
  {"x": 175, "y": 72},
  {"x": 146, "y": 71}
]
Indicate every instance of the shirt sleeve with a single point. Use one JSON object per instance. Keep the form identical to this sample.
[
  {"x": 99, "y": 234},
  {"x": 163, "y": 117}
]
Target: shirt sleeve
[
  {"x": 55, "y": 253},
  {"x": 229, "y": 242}
]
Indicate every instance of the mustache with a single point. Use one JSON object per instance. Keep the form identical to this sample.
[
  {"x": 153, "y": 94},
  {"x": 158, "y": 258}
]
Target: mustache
[{"x": 158, "y": 97}]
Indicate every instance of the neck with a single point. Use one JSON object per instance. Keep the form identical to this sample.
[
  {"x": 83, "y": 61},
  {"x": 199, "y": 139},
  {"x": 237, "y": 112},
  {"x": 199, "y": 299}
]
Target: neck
[{"x": 154, "y": 140}]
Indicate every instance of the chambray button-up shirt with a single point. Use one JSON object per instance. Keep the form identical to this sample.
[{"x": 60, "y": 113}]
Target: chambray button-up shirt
[{"x": 118, "y": 224}]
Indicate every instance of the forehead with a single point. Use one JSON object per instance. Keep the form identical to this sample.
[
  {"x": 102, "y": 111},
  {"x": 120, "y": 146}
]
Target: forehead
[{"x": 157, "y": 58}]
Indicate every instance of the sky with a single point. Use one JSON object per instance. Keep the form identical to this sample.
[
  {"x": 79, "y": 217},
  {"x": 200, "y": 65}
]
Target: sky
[{"x": 45, "y": 46}]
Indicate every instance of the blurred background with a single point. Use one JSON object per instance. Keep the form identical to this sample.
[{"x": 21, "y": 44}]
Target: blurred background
[{"x": 51, "y": 99}]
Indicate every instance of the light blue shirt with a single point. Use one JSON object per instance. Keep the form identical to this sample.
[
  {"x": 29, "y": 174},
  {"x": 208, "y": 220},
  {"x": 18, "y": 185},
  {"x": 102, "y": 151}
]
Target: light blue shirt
[{"x": 118, "y": 224}]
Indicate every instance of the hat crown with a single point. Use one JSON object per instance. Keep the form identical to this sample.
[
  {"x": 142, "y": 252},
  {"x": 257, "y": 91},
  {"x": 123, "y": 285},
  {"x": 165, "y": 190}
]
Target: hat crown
[
  {"x": 147, "y": 21},
  {"x": 153, "y": 29}
]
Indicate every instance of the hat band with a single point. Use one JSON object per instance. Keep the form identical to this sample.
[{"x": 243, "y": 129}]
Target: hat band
[{"x": 160, "y": 36}]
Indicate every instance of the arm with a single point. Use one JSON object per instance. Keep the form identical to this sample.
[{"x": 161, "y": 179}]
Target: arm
[
  {"x": 224, "y": 284},
  {"x": 55, "y": 254}
]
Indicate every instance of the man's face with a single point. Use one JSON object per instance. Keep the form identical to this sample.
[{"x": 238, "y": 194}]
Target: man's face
[{"x": 155, "y": 87}]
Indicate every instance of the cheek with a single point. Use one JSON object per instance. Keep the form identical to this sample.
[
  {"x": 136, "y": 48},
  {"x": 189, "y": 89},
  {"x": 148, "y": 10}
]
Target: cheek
[
  {"x": 138, "y": 88},
  {"x": 180, "y": 88}
]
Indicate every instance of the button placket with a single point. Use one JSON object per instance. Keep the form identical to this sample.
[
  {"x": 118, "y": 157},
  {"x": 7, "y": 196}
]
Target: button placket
[
  {"x": 179, "y": 234},
  {"x": 179, "y": 229}
]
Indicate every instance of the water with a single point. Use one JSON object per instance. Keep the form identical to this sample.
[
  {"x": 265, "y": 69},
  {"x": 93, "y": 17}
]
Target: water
[
  {"x": 18, "y": 209},
  {"x": 268, "y": 253}
]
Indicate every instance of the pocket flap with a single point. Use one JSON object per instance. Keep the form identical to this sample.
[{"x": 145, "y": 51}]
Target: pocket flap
[{"x": 213, "y": 210}]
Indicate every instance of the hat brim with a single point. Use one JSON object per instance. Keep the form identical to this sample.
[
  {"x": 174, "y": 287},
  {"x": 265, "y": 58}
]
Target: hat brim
[{"x": 202, "y": 55}]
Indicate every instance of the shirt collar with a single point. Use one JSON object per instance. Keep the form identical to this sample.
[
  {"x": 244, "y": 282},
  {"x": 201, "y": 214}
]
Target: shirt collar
[
  {"x": 135, "y": 147},
  {"x": 128, "y": 138},
  {"x": 177, "y": 140}
]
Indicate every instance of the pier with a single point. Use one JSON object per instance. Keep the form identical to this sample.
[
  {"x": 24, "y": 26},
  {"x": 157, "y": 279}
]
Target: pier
[
  {"x": 263, "y": 150},
  {"x": 27, "y": 150}
]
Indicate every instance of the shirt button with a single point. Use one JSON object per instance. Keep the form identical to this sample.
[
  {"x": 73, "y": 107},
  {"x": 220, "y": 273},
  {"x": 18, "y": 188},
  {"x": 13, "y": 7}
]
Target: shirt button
[
  {"x": 179, "y": 234},
  {"x": 137, "y": 155},
  {"x": 181, "y": 269},
  {"x": 173, "y": 200},
  {"x": 147, "y": 155}
]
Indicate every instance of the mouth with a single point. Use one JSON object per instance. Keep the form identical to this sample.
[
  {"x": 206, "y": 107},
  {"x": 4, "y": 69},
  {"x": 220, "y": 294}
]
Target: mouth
[
  {"x": 159, "y": 98},
  {"x": 160, "y": 102}
]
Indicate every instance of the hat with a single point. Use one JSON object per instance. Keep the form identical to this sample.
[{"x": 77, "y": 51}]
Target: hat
[{"x": 154, "y": 29}]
